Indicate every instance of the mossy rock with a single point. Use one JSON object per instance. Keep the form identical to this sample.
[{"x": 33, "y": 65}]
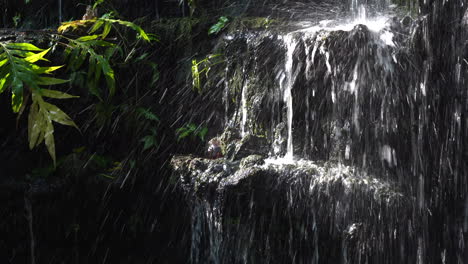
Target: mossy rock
[{"x": 251, "y": 23}]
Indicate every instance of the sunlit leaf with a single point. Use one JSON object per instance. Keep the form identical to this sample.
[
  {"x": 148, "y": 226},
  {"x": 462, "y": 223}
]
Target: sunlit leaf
[
  {"x": 97, "y": 25},
  {"x": 216, "y": 28},
  {"x": 4, "y": 82},
  {"x": 73, "y": 25},
  {"x": 108, "y": 74},
  {"x": 87, "y": 38},
  {"x": 47, "y": 70},
  {"x": 106, "y": 30},
  {"x": 133, "y": 26},
  {"x": 50, "y": 81},
  {"x": 23, "y": 46},
  {"x": 3, "y": 62},
  {"x": 58, "y": 115},
  {"x": 34, "y": 126},
  {"x": 56, "y": 94},
  {"x": 49, "y": 139},
  {"x": 16, "y": 95},
  {"x": 37, "y": 56}
]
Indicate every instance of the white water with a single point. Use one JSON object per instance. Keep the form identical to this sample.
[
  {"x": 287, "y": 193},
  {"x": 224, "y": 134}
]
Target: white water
[
  {"x": 359, "y": 16},
  {"x": 287, "y": 87},
  {"x": 244, "y": 108}
]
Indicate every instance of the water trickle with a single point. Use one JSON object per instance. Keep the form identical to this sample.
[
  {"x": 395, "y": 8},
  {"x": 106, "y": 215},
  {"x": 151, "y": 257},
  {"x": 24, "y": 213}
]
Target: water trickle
[
  {"x": 287, "y": 88},
  {"x": 244, "y": 108}
]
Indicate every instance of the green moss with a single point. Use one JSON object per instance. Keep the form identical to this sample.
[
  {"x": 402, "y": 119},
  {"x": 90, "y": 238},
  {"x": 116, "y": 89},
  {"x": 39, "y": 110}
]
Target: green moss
[
  {"x": 244, "y": 23},
  {"x": 176, "y": 28}
]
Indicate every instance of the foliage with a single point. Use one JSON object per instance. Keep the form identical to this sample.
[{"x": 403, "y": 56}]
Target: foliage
[
  {"x": 97, "y": 3},
  {"x": 191, "y": 130},
  {"x": 203, "y": 66},
  {"x": 25, "y": 77},
  {"x": 220, "y": 25},
  {"x": 149, "y": 140},
  {"x": 85, "y": 48},
  {"x": 244, "y": 23},
  {"x": 20, "y": 73}
]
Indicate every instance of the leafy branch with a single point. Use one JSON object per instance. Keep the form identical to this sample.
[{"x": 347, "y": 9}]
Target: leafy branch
[
  {"x": 203, "y": 66},
  {"x": 191, "y": 130},
  {"x": 85, "y": 47},
  {"x": 20, "y": 73},
  {"x": 220, "y": 25}
]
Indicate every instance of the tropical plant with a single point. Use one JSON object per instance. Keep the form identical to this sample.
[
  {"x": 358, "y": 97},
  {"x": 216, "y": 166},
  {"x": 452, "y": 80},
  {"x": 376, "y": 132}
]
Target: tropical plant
[
  {"x": 20, "y": 73},
  {"x": 191, "y": 130},
  {"x": 203, "y": 66},
  {"x": 150, "y": 140},
  {"x": 86, "y": 48},
  {"x": 26, "y": 79},
  {"x": 220, "y": 25}
]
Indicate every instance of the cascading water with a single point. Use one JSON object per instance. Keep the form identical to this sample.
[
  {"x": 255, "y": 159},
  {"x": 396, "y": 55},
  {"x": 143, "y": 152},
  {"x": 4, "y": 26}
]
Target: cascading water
[
  {"x": 287, "y": 84},
  {"x": 316, "y": 154}
]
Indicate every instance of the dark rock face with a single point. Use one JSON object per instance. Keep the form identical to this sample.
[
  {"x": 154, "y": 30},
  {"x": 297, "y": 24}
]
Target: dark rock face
[
  {"x": 378, "y": 101},
  {"x": 325, "y": 211}
]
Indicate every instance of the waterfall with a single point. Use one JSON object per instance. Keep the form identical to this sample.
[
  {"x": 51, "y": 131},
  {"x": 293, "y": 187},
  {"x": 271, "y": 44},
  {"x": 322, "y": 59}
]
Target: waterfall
[
  {"x": 244, "y": 108},
  {"x": 343, "y": 108},
  {"x": 287, "y": 85}
]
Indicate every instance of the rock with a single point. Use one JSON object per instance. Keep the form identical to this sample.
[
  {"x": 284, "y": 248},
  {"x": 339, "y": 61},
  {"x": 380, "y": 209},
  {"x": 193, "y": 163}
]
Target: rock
[
  {"x": 214, "y": 150},
  {"x": 280, "y": 140},
  {"x": 406, "y": 21},
  {"x": 252, "y": 160},
  {"x": 250, "y": 145}
]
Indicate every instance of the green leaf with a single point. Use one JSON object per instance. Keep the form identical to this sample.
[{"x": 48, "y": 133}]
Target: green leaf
[
  {"x": 49, "y": 139},
  {"x": 108, "y": 74},
  {"x": 216, "y": 28},
  {"x": 149, "y": 141},
  {"x": 184, "y": 134},
  {"x": 88, "y": 38},
  {"x": 97, "y": 25},
  {"x": 3, "y": 62},
  {"x": 50, "y": 81},
  {"x": 17, "y": 95},
  {"x": 203, "y": 133},
  {"x": 196, "y": 76},
  {"x": 23, "y": 46},
  {"x": 98, "y": 2},
  {"x": 4, "y": 82},
  {"x": 106, "y": 30},
  {"x": 37, "y": 56},
  {"x": 131, "y": 25},
  {"x": 57, "y": 115},
  {"x": 47, "y": 70},
  {"x": 147, "y": 114},
  {"x": 56, "y": 94},
  {"x": 34, "y": 124}
]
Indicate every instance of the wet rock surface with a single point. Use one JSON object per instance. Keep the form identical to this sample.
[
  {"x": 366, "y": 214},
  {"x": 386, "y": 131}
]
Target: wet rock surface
[{"x": 279, "y": 198}]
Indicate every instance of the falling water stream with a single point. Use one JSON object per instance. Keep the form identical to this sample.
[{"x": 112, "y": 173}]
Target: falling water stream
[{"x": 319, "y": 173}]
